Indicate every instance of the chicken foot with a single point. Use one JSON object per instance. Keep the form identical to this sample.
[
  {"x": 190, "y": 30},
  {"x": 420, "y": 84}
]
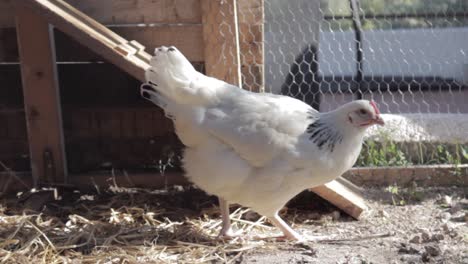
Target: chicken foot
[
  {"x": 226, "y": 229},
  {"x": 288, "y": 232}
]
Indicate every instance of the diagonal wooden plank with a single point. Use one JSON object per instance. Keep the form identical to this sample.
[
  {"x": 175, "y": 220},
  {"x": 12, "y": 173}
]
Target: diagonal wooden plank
[
  {"x": 128, "y": 55},
  {"x": 342, "y": 197}
]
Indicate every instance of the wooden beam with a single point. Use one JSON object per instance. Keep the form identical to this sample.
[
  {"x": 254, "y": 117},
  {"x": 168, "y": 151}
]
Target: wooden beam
[
  {"x": 128, "y": 55},
  {"x": 41, "y": 97},
  {"x": 187, "y": 38},
  {"x": 115, "y": 12},
  {"x": 342, "y": 197},
  {"x": 251, "y": 17},
  {"x": 140, "y": 11},
  {"x": 221, "y": 39}
]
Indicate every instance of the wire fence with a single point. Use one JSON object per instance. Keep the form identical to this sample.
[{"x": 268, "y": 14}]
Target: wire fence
[{"x": 411, "y": 57}]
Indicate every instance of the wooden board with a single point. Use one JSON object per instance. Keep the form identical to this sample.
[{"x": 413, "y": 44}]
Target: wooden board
[
  {"x": 98, "y": 85},
  {"x": 125, "y": 12},
  {"x": 187, "y": 38},
  {"x": 342, "y": 197},
  {"x": 128, "y": 55},
  {"x": 116, "y": 122},
  {"x": 134, "y": 154},
  {"x": 251, "y": 38},
  {"x": 221, "y": 40},
  {"x": 128, "y": 138},
  {"x": 41, "y": 97}
]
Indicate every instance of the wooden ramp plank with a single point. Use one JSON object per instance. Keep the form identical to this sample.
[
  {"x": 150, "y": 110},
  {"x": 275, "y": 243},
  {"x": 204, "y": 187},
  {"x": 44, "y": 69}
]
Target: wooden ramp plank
[
  {"x": 342, "y": 197},
  {"x": 187, "y": 38},
  {"x": 127, "y": 55},
  {"x": 41, "y": 98}
]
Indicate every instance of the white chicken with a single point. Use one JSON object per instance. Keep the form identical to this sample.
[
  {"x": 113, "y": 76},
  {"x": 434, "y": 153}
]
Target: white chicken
[{"x": 255, "y": 149}]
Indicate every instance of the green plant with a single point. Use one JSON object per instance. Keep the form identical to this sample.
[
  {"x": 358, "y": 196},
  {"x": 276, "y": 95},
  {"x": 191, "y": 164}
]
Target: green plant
[
  {"x": 464, "y": 152},
  {"x": 381, "y": 154},
  {"x": 382, "y": 151},
  {"x": 454, "y": 155},
  {"x": 403, "y": 196},
  {"x": 397, "y": 198}
]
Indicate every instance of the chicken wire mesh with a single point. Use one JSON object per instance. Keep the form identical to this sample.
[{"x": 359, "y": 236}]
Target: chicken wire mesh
[{"x": 410, "y": 56}]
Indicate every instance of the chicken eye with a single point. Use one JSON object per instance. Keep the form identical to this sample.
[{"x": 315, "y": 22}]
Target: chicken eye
[{"x": 362, "y": 112}]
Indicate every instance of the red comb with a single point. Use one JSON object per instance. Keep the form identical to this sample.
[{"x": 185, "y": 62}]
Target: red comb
[{"x": 375, "y": 107}]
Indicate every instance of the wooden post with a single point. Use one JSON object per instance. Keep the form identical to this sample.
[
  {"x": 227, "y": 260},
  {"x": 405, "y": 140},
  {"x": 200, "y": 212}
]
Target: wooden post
[
  {"x": 251, "y": 16},
  {"x": 221, "y": 38},
  {"x": 41, "y": 97}
]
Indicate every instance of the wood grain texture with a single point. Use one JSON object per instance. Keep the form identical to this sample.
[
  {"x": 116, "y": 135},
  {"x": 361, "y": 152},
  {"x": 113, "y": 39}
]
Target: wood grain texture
[
  {"x": 89, "y": 33},
  {"x": 7, "y": 14},
  {"x": 126, "y": 137},
  {"x": 251, "y": 39},
  {"x": 188, "y": 39},
  {"x": 221, "y": 40},
  {"x": 117, "y": 12},
  {"x": 342, "y": 197},
  {"x": 41, "y": 98}
]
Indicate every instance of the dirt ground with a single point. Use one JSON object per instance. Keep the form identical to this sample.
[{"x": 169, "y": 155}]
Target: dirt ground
[
  {"x": 180, "y": 225},
  {"x": 430, "y": 228}
]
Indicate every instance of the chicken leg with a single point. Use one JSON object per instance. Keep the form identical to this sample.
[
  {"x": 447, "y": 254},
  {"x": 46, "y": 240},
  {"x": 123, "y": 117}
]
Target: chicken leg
[
  {"x": 288, "y": 232},
  {"x": 226, "y": 229}
]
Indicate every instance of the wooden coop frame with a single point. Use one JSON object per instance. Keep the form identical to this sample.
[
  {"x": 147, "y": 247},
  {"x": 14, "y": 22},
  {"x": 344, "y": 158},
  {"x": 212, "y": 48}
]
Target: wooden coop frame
[{"x": 199, "y": 39}]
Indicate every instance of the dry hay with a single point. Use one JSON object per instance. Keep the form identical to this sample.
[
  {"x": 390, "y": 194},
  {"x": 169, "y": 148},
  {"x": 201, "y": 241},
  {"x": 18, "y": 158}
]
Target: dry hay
[{"x": 124, "y": 225}]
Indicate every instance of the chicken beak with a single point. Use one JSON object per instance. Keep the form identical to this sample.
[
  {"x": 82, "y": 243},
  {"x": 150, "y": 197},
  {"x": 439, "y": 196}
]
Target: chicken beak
[{"x": 379, "y": 121}]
